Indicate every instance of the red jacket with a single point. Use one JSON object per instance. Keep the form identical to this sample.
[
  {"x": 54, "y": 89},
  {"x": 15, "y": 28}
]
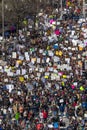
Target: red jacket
[
  {"x": 39, "y": 126},
  {"x": 45, "y": 114}
]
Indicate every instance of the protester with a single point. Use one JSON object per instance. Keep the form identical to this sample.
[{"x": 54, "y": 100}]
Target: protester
[{"x": 41, "y": 78}]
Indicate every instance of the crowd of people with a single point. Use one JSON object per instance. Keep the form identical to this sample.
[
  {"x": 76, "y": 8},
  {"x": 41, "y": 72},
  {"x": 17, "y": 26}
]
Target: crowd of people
[{"x": 42, "y": 84}]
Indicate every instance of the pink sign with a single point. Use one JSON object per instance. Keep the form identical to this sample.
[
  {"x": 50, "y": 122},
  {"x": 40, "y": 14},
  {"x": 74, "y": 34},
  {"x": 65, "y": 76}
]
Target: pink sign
[
  {"x": 51, "y": 21},
  {"x": 57, "y": 32},
  {"x": 72, "y": 86}
]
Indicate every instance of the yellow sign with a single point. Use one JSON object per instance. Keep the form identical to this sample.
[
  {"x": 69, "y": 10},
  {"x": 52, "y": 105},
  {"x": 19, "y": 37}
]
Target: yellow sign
[
  {"x": 64, "y": 76},
  {"x": 82, "y": 88},
  {"x": 46, "y": 77},
  {"x": 21, "y": 79},
  {"x": 80, "y": 48},
  {"x": 59, "y": 53},
  {"x": 19, "y": 61}
]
